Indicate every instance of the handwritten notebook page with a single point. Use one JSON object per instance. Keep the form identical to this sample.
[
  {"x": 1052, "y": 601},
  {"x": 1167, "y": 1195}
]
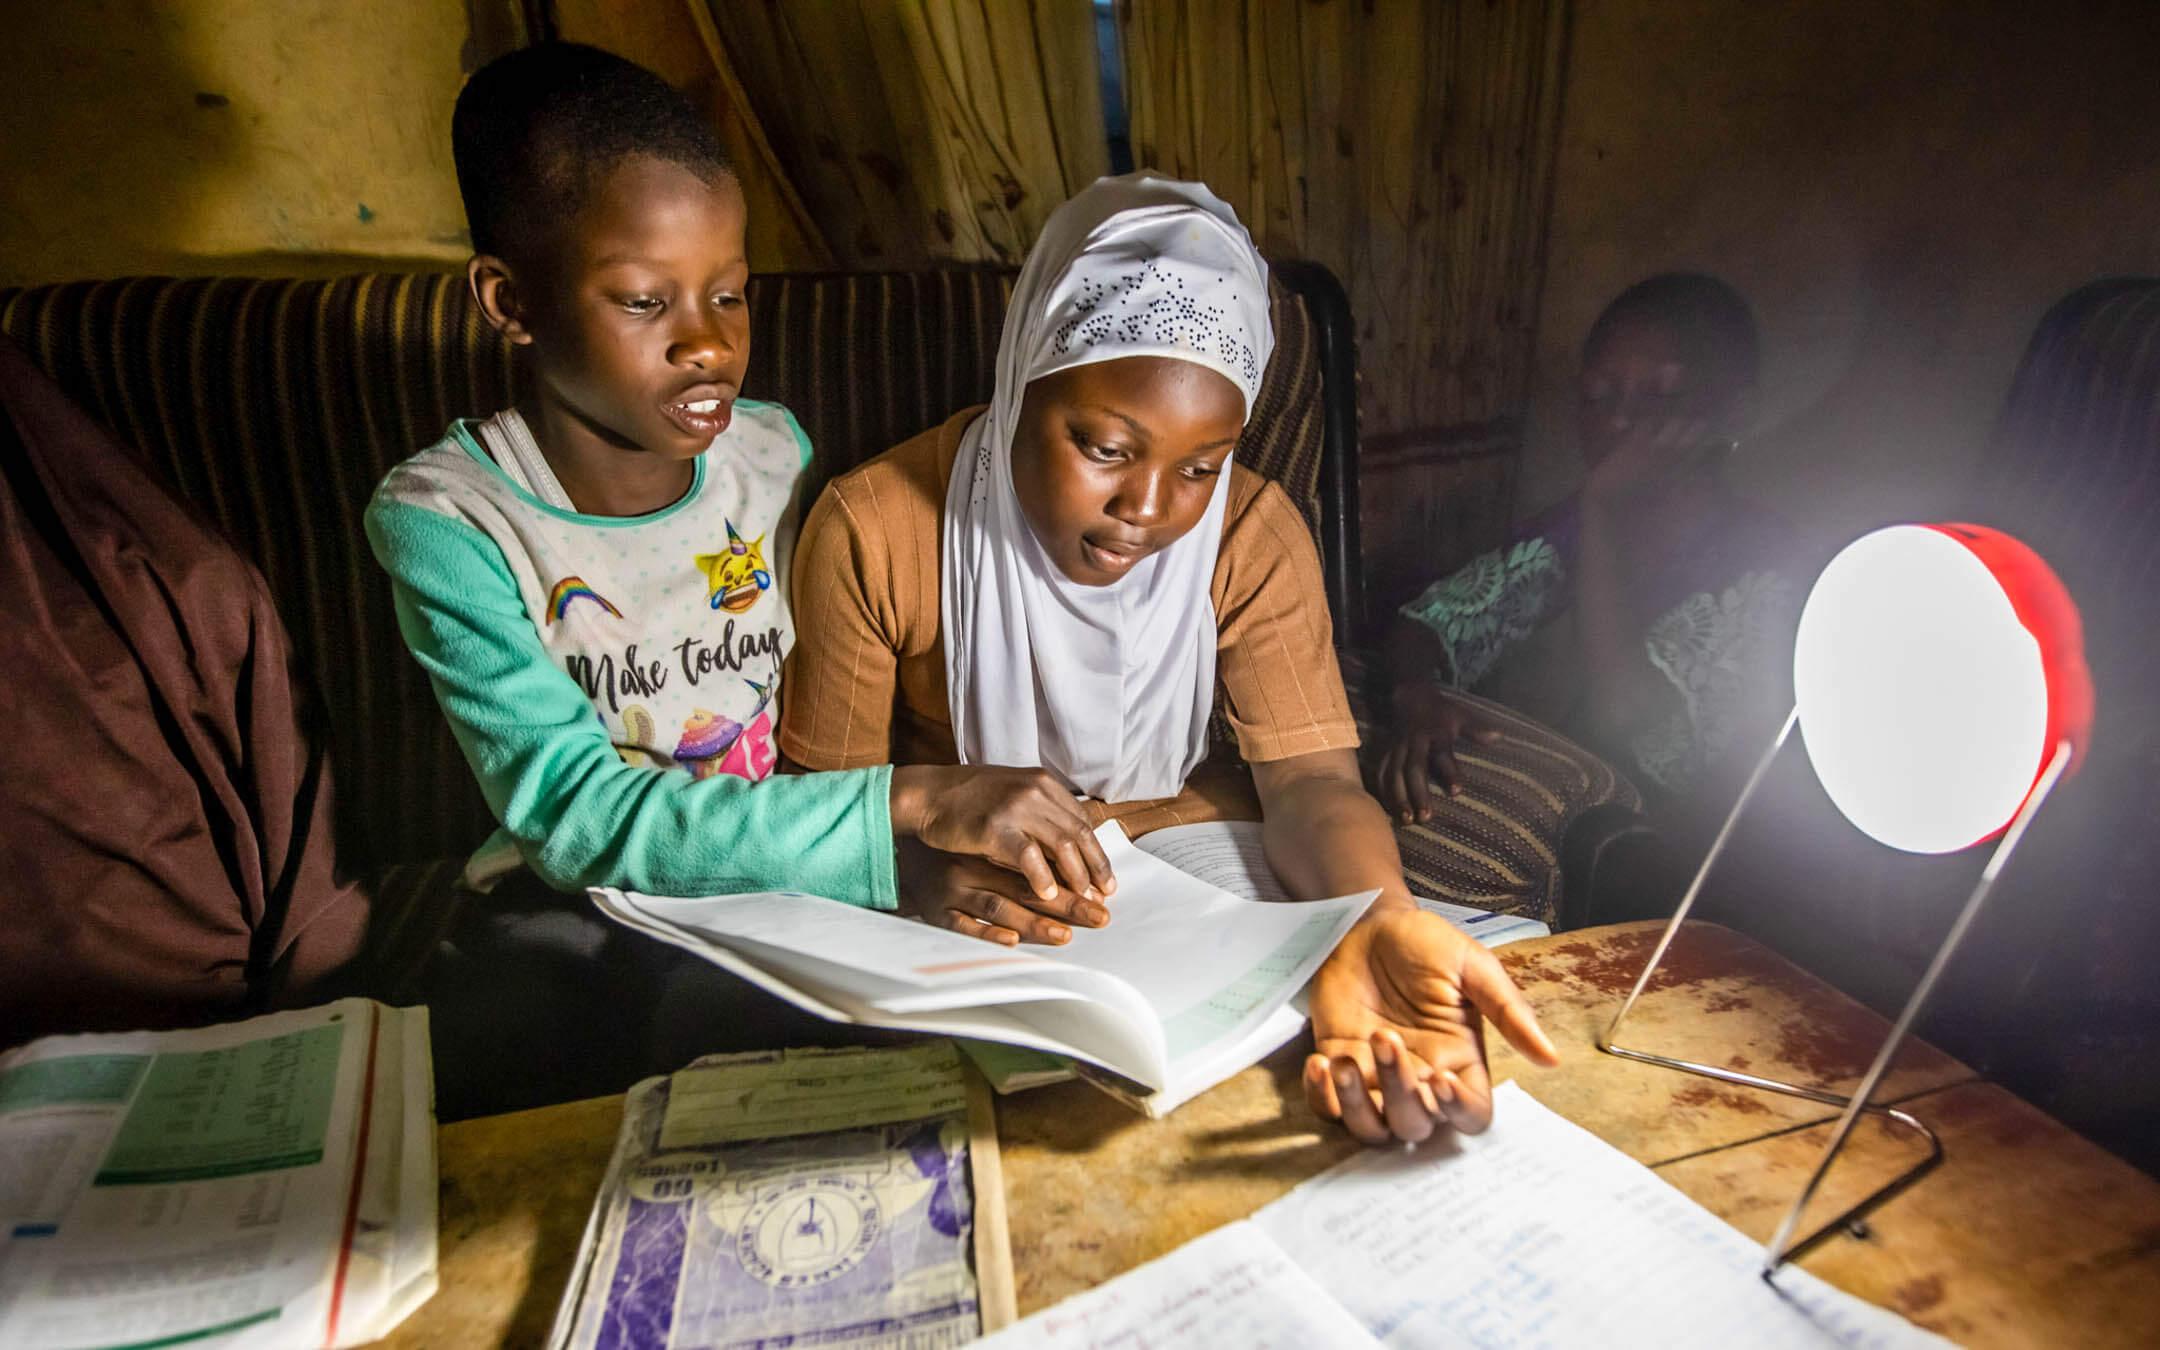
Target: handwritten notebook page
[
  {"x": 1535, "y": 1234},
  {"x": 1234, "y": 1287},
  {"x": 1538, "y": 1233}
]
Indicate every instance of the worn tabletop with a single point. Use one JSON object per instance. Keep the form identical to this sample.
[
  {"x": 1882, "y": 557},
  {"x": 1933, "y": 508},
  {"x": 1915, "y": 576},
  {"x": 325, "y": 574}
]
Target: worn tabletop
[{"x": 2027, "y": 1234}]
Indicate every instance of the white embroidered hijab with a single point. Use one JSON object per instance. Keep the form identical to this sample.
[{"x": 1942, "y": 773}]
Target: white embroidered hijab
[{"x": 1108, "y": 687}]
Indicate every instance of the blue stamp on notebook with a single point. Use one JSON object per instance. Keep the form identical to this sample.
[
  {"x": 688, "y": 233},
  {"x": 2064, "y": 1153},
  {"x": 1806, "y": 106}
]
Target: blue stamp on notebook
[{"x": 808, "y": 1231}]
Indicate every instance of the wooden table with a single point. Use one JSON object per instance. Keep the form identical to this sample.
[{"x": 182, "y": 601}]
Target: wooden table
[{"x": 2027, "y": 1234}]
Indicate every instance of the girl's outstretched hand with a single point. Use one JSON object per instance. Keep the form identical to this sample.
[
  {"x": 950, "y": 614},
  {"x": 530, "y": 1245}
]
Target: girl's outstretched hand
[
  {"x": 1397, "y": 1014},
  {"x": 1023, "y": 820}
]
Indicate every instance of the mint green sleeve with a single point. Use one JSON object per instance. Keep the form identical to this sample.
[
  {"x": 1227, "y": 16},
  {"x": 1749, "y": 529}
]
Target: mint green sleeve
[{"x": 579, "y": 814}]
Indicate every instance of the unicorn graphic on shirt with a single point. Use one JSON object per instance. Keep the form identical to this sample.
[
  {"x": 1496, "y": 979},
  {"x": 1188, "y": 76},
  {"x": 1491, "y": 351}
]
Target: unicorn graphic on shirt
[{"x": 734, "y": 579}]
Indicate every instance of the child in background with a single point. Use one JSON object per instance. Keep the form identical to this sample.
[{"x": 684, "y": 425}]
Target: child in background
[
  {"x": 1650, "y": 615},
  {"x": 594, "y": 579}
]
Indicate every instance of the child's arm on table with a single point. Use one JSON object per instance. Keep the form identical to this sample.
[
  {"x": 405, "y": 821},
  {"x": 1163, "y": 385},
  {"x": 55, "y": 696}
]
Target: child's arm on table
[
  {"x": 581, "y": 816},
  {"x": 1397, "y": 1008}
]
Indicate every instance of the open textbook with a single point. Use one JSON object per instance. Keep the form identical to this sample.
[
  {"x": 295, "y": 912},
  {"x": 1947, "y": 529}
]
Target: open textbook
[
  {"x": 1184, "y": 987},
  {"x": 1532, "y": 1235},
  {"x": 1228, "y": 855},
  {"x": 267, "y": 1183},
  {"x": 848, "y": 1199}
]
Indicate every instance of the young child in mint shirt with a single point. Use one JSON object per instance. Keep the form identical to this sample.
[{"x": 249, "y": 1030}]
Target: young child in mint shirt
[{"x": 596, "y": 580}]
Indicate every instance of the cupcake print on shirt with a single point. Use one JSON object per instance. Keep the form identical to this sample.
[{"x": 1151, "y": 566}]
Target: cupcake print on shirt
[{"x": 714, "y": 743}]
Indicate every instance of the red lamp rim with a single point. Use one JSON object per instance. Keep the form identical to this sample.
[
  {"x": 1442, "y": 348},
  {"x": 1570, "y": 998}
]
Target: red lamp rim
[{"x": 2044, "y": 607}]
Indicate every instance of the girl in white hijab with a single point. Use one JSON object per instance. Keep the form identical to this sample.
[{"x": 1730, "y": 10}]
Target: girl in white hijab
[
  {"x": 1066, "y": 580},
  {"x": 1107, "y": 686}
]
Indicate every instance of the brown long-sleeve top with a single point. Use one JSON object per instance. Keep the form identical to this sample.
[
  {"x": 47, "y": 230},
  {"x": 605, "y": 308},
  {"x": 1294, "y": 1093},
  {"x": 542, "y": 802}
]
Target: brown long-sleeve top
[{"x": 866, "y": 680}]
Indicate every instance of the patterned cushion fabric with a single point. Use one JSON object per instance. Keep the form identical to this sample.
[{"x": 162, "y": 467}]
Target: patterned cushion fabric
[
  {"x": 276, "y": 405},
  {"x": 1497, "y": 846}
]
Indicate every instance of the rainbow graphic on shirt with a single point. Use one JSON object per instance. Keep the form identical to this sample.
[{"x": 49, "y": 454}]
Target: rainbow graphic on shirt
[
  {"x": 570, "y": 590},
  {"x": 736, "y": 578}
]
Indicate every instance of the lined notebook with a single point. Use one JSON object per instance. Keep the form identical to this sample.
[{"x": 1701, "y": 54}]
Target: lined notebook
[
  {"x": 1227, "y": 855},
  {"x": 1534, "y": 1234}
]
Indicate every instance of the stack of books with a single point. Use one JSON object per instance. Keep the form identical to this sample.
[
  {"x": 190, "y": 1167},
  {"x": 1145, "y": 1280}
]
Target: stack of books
[{"x": 266, "y": 1183}]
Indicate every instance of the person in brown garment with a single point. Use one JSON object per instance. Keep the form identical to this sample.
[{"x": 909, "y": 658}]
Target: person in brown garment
[
  {"x": 1069, "y": 578},
  {"x": 165, "y": 830}
]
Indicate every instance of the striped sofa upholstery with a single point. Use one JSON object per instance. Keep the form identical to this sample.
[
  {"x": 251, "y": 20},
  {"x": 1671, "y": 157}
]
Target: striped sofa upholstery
[
  {"x": 1534, "y": 809},
  {"x": 2074, "y": 465},
  {"x": 2057, "y": 999},
  {"x": 275, "y": 405}
]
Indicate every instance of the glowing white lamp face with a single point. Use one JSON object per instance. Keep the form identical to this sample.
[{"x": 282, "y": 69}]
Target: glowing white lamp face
[{"x": 1922, "y": 698}]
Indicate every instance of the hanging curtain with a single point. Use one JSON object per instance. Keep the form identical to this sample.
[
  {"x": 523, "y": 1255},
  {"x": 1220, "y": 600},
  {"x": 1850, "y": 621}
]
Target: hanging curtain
[
  {"x": 496, "y": 27},
  {"x": 932, "y": 131},
  {"x": 680, "y": 43},
  {"x": 1409, "y": 146},
  {"x": 876, "y": 134}
]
